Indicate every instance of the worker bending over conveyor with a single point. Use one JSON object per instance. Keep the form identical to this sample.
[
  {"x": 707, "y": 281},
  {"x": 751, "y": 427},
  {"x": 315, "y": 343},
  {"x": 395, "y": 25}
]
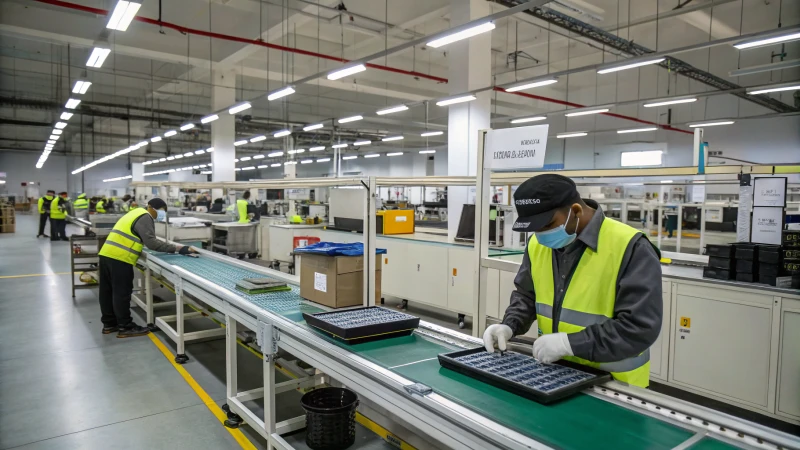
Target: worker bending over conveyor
[
  {"x": 592, "y": 283},
  {"x": 132, "y": 232}
]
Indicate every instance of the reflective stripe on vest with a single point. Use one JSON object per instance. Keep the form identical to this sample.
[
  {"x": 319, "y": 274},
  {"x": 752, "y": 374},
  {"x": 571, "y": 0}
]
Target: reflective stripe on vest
[
  {"x": 241, "y": 206},
  {"x": 590, "y": 297},
  {"x": 121, "y": 243}
]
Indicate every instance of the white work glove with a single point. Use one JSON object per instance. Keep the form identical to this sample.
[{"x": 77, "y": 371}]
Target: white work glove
[
  {"x": 499, "y": 334},
  {"x": 551, "y": 347}
]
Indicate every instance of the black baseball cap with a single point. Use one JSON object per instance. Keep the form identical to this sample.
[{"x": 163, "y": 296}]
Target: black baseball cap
[
  {"x": 538, "y": 199},
  {"x": 156, "y": 203}
]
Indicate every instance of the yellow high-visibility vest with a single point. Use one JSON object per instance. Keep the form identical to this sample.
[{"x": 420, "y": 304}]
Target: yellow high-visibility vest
[
  {"x": 81, "y": 202},
  {"x": 57, "y": 209},
  {"x": 590, "y": 296},
  {"x": 121, "y": 243},
  {"x": 100, "y": 206},
  {"x": 241, "y": 207}
]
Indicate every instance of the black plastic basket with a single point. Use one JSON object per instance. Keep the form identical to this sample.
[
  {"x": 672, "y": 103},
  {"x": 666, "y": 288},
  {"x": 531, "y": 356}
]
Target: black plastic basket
[{"x": 330, "y": 418}]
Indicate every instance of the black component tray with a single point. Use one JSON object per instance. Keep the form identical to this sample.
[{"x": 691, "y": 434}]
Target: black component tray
[
  {"x": 591, "y": 376},
  {"x": 790, "y": 268},
  {"x": 770, "y": 254},
  {"x": 719, "y": 274},
  {"x": 791, "y": 253},
  {"x": 769, "y": 270},
  {"x": 372, "y": 323},
  {"x": 791, "y": 238},
  {"x": 746, "y": 250},
  {"x": 721, "y": 251},
  {"x": 745, "y": 266},
  {"x": 721, "y": 263},
  {"x": 747, "y": 277}
]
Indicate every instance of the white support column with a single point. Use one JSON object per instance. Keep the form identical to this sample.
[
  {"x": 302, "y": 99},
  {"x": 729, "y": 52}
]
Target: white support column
[
  {"x": 223, "y": 130},
  {"x": 290, "y": 172},
  {"x": 470, "y": 68}
]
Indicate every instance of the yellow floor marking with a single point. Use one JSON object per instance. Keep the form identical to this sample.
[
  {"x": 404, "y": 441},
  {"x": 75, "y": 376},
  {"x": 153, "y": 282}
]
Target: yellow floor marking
[
  {"x": 35, "y": 275},
  {"x": 204, "y": 397}
]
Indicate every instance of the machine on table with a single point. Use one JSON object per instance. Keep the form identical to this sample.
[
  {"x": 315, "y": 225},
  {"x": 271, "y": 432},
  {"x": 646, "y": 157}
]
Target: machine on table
[
  {"x": 182, "y": 229},
  {"x": 278, "y": 240},
  {"x": 234, "y": 238},
  {"x": 101, "y": 221},
  {"x": 208, "y": 216}
]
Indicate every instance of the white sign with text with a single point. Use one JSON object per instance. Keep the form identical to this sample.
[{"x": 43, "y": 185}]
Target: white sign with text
[
  {"x": 767, "y": 225},
  {"x": 769, "y": 191},
  {"x": 516, "y": 148}
]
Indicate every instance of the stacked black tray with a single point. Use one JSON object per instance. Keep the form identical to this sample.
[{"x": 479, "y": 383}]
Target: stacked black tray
[{"x": 354, "y": 326}]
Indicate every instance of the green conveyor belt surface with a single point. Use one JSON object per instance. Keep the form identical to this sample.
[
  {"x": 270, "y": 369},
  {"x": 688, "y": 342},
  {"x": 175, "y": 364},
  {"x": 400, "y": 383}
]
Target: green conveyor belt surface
[{"x": 579, "y": 422}]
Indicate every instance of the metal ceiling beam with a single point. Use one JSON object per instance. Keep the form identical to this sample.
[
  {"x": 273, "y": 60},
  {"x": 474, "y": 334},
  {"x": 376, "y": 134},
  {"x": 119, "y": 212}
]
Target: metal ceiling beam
[
  {"x": 629, "y": 47},
  {"x": 673, "y": 13}
]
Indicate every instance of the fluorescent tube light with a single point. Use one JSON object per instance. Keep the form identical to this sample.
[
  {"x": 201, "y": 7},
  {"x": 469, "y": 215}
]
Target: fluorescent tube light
[
  {"x": 786, "y": 64},
  {"x": 776, "y": 88},
  {"x": 61, "y": 125},
  {"x": 209, "y": 149},
  {"x": 341, "y": 73},
  {"x": 299, "y": 150},
  {"x": 275, "y": 154},
  {"x": 361, "y": 143},
  {"x": 290, "y": 163},
  {"x": 316, "y": 126},
  {"x": 123, "y": 15},
  {"x": 464, "y": 34},
  {"x": 238, "y": 143},
  {"x": 282, "y": 133},
  {"x": 373, "y": 155},
  {"x": 258, "y": 139},
  {"x": 155, "y": 138},
  {"x": 323, "y": 159},
  {"x": 199, "y": 152},
  {"x": 529, "y": 119},
  {"x": 188, "y": 126},
  {"x": 670, "y": 102},
  {"x": 275, "y": 165},
  {"x": 535, "y": 84},
  {"x": 346, "y": 158},
  {"x": 210, "y": 118},
  {"x": 432, "y": 133},
  {"x": 711, "y": 124},
  {"x": 392, "y": 138},
  {"x": 258, "y": 157},
  {"x": 316, "y": 149},
  {"x": 51, "y": 142},
  {"x": 666, "y": 181},
  {"x": 162, "y": 159},
  {"x": 237, "y": 169},
  {"x": 280, "y": 93},
  {"x": 188, "y": 154},
  {"x": 630, "y": 66},
  {"x": 245, "y": 158},
  {"x": 98, "y": 57},
  {"x": 239, "y": 108},
  {"x": 350, "y": 119},
  {"x": 423, "y": 152},
  {"x": 170, "y": 158},
  {"x": 170, "y": 133},
  {"x": 452, "y": 101},
  {"x": 767, "y": 41},
  {"x": 569, "y": 135},
  {"x": 636, "y": 130},
  {"x": 54, "y": 137},
  {"x": 263, "y": 166},
  {"x": 339, "y": 146},
  {"x": 585, "y": 113},
  {"x": 394, "y": 154},
  {"x": 178, "y": 156},
  {"x": 249, "y": 168},
  {"x": 65, "y": 116},
  {"x": 393, "y": 109},
  {"x": 72, "y": 103},
  {"x": 81, "y": 87},
  {"x": 306, "y": 161}
]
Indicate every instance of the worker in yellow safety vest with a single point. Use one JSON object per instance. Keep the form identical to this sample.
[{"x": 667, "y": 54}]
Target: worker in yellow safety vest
[
  {"x": 241, "y": 207},
  {"x": 592, "y": 284},
  {"x": 58, "y": 218},
  {"x": 100, "y": 206},
  {"x": 44, "y": 212},
  {"x": 132, "y": 232},
  {"x": 81, "y": 205},
  {"x": 125, "y": 206}
]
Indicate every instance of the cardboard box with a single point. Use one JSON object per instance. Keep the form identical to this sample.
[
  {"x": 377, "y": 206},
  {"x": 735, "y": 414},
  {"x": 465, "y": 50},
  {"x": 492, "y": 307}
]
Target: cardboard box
[{"x": 336, "y": 281}]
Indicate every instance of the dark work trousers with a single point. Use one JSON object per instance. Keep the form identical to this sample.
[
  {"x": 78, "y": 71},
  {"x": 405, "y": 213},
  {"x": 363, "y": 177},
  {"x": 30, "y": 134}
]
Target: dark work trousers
[
  {"x": 116, "y": 285},
  {"x": 58, "y": 229},
  {"x": 42, "y": 222}
]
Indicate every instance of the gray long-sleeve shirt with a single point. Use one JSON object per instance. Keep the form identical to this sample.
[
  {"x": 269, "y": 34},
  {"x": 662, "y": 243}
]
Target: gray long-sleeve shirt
[
  {"x": 145, "y": 228},
  {"x": 637, "y": 309}
]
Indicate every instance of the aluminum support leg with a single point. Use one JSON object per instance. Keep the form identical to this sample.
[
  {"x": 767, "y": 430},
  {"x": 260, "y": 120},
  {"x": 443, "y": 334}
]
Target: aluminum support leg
[
  {"x": 148, "y": 294},
  {"x": 231, "y": 371},
  {"x": 180, "y": 352}
]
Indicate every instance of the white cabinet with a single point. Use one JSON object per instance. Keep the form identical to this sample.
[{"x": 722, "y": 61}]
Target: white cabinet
[
  {"x": 461, "y": 275},
  {"x": 659, "y": 352},
  {"x": 493, "y": 293},
  {"x": 395, "y": 273},
  {"x": 721, "y": 343},
  {"x": 427, "y": 274},
  {"x": 788, "y": 401}
]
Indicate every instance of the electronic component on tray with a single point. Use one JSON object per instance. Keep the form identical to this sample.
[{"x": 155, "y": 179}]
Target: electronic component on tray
[{"x": 363, "y": 324}]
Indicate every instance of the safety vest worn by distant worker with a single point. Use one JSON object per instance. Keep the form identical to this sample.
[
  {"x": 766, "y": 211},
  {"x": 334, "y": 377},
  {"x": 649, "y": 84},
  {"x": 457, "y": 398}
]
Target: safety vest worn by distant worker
[
  {"x": 81, "y": 202},
  {"x": 591, "y": 295},
  {"x": 122, "y": 244},
  {"x": 100, "y": 206},
  {"x": 241, "y": 208},
  {"x": 58, "y": 209},
  {"x": 44, "y": 204}
]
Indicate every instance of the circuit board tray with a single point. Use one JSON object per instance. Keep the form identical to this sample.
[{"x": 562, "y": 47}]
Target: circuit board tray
[
  {"x": 523, "y": 375},
  {"x": 358, "y": 325}
]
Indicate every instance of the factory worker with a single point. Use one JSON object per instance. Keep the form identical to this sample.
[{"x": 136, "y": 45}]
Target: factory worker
[
  {"x": 58, "y": 218},
  {"x": 593, "y": 284},
  {"x": 241, "y": 207},
  {"x": 81, "y": 206},
  {"x": 100, "y": 206},
  {"x": 44, "y": 212},
  {"x": 132, "y": 232}
]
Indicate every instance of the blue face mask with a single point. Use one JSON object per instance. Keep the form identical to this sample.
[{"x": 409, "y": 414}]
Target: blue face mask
[
  {"x": 162, "y": 215},
  {"x": 558, "y": 236}
]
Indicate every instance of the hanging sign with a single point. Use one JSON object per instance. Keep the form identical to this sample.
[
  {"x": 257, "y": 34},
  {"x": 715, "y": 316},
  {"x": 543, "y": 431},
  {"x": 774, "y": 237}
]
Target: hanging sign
[
  {"x": 767, "y": 225},
  {"x": 769, "y": 191},
  {"x": 516, "y": 148}
]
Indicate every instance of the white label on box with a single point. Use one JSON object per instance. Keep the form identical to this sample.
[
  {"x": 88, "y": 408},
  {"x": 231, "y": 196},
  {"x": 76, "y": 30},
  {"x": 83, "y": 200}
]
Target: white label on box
[
  {"x": 320, "y": 282},
  {"x": 400, "y": 218},
  {"x": 784, "y": 282}
]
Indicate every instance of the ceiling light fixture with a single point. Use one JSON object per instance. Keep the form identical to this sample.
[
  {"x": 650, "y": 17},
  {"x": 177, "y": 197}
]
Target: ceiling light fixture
[
  {"x": 170, "y": 133},
  {"x": 780, "y": 65},
  {"x": 238, "y": 143},
  {"x": 361, "y": 143},
  {"x": 636, "y": 130},
  {"x": 316, "y": 126},
  {"x": 72, "y": 103},
  {"x": 463, "y": 34},
  {"x": 339, "y": 146},
  {"x": 245, "y": 158},
  {"x": 199, "y": 152},
  {"x": 586, "y": 113},
  {"x": 793, "y": 86},
  {"x": 670, "y": 102},
  {"x": 155, "y": 138},
  {"x": 529, "y": 119},
  {"x": 178, "y": 156},
  {"x": 316, "y": 149},
  {"x": 323, "y": 159},
  {"x": 534, "y": 84},
  {"x": 54, "y": 137},
  {"x": 282, "y": 133},
  {"x": 350, "y": 119},
  {"x": 61, "y": 125},
  {"x": 263, "y": 166},
  {"x": 208, "y": 119},
  {"x": 170, "y": 158},
  {"x": 432, "y": 133},
  {"x": 188, "y": 154},
  {"x": 239, "y": 108},
  {"x": 249, "y": 168},
  {"x": 393, "y": 109},
  {"x": 341, "y": 73},
  {"x": 258, "y": 157},
  {"x": 372, "y": 155},
  {"x": 290, "y": 163},
  {"x": 209, "y": 149},
  {"x": 394, "y": 154},
  {"x": 454, "y": 100},
  {"x": 123, "y": 14},
  {"x": 280, "y": 93},
  {"x": 81, "y": 87},
  {"x": 258, "y": 139},
  {"x": 772, "y": 40},
  {"x": 306, "y": 161},
  {"x": 275, "y": 154},
  {"x": 617, "y": 68},
  {"x": 392, "y": 138},
  {"x": 51, "y": 142},
  {"x": 299, "y": 150},
  {"x": 347, "y": 158},
  {"x": 65, "y": 116},
  {"x": 188, "y": 126},
  {"x": 275, "y": 165},
  {"x": 711, "y": 124},
  {"x": 569, "y": 135},
  {"x": 423, "y": 152},
  {"x": 98, "y": 56}
]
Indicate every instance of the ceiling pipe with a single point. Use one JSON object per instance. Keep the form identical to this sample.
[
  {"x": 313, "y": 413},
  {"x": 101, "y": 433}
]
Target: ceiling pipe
[{"x": 261, "y": 43}]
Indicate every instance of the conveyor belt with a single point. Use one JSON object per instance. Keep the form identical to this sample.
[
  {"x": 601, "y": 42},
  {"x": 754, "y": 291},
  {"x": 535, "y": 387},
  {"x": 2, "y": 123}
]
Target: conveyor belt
[{"x": 580, "y": 422}]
